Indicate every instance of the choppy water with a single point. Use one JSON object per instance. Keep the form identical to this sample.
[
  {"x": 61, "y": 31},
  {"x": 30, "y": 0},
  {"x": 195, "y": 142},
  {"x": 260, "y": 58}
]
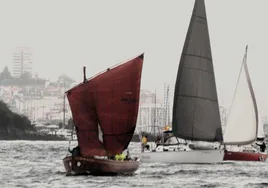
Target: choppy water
[{"x": 39, "y": 164}]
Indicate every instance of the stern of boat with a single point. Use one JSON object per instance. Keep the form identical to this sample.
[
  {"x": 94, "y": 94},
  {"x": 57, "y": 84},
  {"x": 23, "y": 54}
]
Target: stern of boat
[{"x": 99, "y": 166}]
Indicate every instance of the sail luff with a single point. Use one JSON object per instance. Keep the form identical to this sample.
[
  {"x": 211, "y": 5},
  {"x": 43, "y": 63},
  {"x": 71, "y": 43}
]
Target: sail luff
[
  {"x": 196, "y": 113},
  {"x": 244, "y": 111}
]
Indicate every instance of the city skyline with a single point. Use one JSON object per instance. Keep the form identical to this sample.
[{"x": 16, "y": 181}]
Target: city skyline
[
  {"x": 65, "y": 42},
  {"x": 224, "y": 110}
]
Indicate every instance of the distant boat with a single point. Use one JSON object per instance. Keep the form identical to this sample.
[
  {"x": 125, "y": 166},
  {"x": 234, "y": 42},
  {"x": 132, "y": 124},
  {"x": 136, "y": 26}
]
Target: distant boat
[
  {"x": 196, "y": 115},
  {"x": 107, "y": 105},
  {"x": 243, "y": 121}
]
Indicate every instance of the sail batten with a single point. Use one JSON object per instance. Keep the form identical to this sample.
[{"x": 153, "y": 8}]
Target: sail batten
[
  {"x": 198, "y": 56},
  {"x": 242, "y": 124},
  {"x": 196, "y": 113},
  {"x": 105, "y": 109},
  {"x": 198, "y": 97}
]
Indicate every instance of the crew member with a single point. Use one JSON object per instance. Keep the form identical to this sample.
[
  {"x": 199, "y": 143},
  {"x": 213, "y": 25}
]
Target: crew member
[
  {"x": 75, "y": 151},
  {"x": 262, "y": 146},
  {"x": 120, "y": 157},
  {"x": 144, "y": 143}
]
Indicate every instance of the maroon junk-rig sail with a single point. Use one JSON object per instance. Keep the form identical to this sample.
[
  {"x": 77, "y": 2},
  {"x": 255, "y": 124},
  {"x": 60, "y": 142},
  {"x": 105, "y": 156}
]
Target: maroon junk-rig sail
[{"x": 110, "y": 101}]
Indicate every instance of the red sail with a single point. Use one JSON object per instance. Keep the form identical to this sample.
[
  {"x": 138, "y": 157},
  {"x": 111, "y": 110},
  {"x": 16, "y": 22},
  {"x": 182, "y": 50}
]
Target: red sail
[
  {"x": 112, "y": 100},
  {"x": 117, "y": 102},
  {"x": 86, "y": 121}
]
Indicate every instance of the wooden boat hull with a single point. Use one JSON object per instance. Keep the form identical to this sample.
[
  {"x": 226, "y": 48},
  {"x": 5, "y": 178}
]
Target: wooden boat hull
[
  {"x": 183, "y": 157},
  {"x": 95, "y": 166},
  {"x": 244, "y": 156}
]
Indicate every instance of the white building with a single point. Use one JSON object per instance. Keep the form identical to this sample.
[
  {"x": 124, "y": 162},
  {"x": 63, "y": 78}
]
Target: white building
[
  {"x": 22, "y": 61},
  {"x": 153, "y": 114},
  {"x": 151, "y": 117}
]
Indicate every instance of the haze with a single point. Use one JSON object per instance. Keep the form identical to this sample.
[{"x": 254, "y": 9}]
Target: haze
[{"x": 65, "y": 35}]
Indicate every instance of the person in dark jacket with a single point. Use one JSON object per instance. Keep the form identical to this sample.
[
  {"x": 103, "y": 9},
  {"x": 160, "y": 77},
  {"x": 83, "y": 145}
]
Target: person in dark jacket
[
  {"x": 262, "y": 146},
  {"x": 158, "y": 141},
  {"x": 128, "y": 156},
  {"x": 75, "y": 151}
]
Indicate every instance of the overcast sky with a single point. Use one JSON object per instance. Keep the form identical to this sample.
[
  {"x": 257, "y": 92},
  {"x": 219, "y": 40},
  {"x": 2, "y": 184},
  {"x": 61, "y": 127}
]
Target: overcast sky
[{"x": 65, "y": 35}]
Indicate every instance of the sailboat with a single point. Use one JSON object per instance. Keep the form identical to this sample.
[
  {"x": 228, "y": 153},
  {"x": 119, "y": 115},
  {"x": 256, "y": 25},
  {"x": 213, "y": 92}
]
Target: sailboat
[
  {"x": 109, "y": 100},
  {"x": 243, "y": 121},
  {"x": 196, "y": 115}
]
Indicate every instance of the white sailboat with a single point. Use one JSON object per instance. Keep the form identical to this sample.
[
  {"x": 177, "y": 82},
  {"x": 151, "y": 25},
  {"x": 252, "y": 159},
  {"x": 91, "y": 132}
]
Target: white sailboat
[
  {"x": 196, "y": 116},
  {"x": 243, "y": 121},
  {"x": 244, "y": 113}
]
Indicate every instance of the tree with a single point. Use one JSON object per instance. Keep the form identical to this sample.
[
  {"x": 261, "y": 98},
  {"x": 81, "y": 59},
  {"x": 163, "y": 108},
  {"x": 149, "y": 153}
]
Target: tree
[
  {"x": 5, "y": 117},
  {"x": 26, "y": 75},
  {"x": 26, "y": 123},
  {"x": 11, "y": 122},
  {"x": 5, "y": 74}
]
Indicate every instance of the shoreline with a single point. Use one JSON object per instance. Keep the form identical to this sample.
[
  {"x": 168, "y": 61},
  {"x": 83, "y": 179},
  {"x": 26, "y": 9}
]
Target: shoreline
[
  {"x": 47, "y": 137},
  {"x": 31, "y": 137}
]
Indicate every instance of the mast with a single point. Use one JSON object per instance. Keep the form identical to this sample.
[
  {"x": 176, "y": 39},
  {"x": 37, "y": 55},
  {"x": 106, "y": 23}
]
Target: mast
[
  {"x": 168, "y": 117},
  {"x": 164, "y": 114},
  {"x": 84, "y": 74},
  {"x": 154, "y": 112},
  {"x": 63, "y": 124},
  {"x": 43, "y": 110}
]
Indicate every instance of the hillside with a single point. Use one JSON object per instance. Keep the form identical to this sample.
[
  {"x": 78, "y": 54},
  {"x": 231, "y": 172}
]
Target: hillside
[{"x": 14, "y": 126}]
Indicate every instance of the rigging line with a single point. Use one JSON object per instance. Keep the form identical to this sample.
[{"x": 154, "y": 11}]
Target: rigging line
[{"x": 242, "y": 64}]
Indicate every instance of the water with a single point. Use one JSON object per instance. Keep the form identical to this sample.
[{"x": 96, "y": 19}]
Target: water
[{"x": 39, "y": 164}]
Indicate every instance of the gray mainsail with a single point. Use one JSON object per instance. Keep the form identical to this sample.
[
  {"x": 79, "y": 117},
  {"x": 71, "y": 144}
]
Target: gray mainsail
[{"x": 196, "y": 113}]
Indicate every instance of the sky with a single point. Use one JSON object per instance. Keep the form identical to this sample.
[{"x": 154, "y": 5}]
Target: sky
[{"x": 66, "y": 35}]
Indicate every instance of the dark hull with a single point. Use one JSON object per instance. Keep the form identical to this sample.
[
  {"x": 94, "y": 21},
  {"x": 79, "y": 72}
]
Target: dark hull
[
  {"x": 84, "y": 165},
  {"x": 244, "y": 156}
]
